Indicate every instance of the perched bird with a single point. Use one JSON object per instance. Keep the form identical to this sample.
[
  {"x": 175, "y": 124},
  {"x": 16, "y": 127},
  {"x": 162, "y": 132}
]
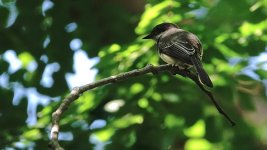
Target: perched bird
[{"x": 179, "y": 47}]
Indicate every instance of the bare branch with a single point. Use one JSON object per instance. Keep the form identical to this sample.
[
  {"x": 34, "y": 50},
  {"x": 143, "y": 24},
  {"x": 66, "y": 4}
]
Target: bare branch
[{"x": 76, "y": 92}]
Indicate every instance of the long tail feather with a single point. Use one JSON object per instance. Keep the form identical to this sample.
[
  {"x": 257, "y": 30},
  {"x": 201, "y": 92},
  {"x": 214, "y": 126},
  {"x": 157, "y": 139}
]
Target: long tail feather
[{"x": 203, "y": 76}]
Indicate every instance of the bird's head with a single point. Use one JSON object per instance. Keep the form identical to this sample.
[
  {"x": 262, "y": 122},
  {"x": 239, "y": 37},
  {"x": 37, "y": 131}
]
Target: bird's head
[{"x": 159, "y": 29}]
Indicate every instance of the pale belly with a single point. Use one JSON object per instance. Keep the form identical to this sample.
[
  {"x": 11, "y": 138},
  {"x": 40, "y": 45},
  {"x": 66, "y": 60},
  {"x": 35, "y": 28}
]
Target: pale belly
[
  {"x": 173, "y": 61},
  {"x": 169, "y": 59}
]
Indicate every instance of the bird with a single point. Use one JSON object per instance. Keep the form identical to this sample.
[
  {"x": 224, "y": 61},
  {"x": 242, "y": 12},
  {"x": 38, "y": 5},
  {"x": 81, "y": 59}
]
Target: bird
[{"x": 179, "y": 48}]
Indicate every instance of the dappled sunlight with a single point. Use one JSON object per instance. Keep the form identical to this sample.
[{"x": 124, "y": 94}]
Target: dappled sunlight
[
  {"x": 193, "y": 144},
  {"x": 47, "y": 80},
  {"x": 71, "y": 27},
  {"x": 196, "y": 131},
  {"x": 82, "y": 66},
  {"x": 51, "y": 50},
  {"x": 114, "y": 105},
  {"x": 127, "y": 120},
  {"x": 76, "y": 44},
  {"x": 14, "y": 63}
]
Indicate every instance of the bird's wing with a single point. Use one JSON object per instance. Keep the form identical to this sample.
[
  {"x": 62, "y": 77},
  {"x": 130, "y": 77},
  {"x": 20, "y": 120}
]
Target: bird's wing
[{"x": 179, "y": 45}]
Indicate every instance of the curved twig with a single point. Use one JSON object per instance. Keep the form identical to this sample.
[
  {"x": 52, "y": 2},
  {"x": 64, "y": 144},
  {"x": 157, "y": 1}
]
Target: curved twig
[
  {"x": 76, "y": 92},
  {"x": 209, "y": 94}
]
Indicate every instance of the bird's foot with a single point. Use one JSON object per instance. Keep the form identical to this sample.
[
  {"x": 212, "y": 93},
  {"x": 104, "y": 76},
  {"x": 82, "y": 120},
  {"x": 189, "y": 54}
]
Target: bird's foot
[
  {"x": 187, "y": 71},
  {"x": 174, "y": 69}
]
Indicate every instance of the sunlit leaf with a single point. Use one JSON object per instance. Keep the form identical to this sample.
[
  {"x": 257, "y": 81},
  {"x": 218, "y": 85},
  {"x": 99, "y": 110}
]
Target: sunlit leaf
[
  {"x": 128, "y": 120},
  {"x": 105, "y": 134},
  {"x": 33, "y": 134},
  {"x": 136, "y": 88},
  {"x": 25, "y": 58},
  {"x": 143, "y": 103},
  {"x": 152, "y": 12},
  {"x": 197, "y": 130},
  {"x": 193, "y": 144},
  {"x": 85, "y": 102},
  {"x": 172, "y": 121}
]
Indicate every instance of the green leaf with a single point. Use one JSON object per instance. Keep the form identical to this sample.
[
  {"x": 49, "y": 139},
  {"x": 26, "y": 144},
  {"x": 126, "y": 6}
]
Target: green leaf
[{"x": 196, "y": 131}]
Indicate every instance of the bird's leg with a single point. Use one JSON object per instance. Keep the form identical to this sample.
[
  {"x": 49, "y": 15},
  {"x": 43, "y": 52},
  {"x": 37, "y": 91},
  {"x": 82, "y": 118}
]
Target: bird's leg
[
  {"x": 187, "y": 70},
  {"x": 174, "y": 69}
]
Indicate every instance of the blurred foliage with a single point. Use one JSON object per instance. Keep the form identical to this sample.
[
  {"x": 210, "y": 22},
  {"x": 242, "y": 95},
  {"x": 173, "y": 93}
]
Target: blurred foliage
[{"x": 159, "y": 112}]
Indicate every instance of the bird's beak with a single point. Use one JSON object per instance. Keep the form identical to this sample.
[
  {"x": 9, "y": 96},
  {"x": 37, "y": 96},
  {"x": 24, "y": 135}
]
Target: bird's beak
[{"x": 148, "y": 37}]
